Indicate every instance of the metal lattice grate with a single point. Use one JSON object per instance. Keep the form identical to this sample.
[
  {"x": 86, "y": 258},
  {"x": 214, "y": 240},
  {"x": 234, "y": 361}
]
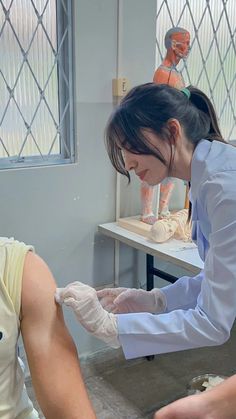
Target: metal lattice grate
[
  {"x": 211, "y": 64},
  {"x": 36, "y": 108}
]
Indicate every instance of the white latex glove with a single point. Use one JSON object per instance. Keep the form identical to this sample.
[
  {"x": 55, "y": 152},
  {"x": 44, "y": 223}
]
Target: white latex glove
[
  {"x": 89, "y": 312},
  {"x": 132, "y": 300}
]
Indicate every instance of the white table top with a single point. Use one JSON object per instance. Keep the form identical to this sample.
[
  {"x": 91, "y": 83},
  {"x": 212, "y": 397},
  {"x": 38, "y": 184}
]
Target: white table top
[{"x": 173, "y": 251}]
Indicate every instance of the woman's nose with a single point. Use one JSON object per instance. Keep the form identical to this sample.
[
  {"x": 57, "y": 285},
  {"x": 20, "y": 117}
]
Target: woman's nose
[{"x": 129, "y": 160}]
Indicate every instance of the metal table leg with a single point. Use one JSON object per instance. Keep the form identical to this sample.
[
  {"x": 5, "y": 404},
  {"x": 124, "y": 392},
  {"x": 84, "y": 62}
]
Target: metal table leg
[{"x": 150, "y": 272}]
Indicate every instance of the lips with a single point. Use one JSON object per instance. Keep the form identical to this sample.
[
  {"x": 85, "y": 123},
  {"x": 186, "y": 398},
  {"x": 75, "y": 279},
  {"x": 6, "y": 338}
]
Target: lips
[{"x": 142, "y": 174}]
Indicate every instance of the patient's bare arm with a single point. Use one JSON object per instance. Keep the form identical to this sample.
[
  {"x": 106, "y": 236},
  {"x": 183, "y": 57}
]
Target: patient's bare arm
[{"x": 51, "y": 353}]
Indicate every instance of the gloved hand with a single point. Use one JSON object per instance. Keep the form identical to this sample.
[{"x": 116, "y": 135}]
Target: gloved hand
[
  {"x": 89, "y": 312},
  {"x": 132, "y": 300}
]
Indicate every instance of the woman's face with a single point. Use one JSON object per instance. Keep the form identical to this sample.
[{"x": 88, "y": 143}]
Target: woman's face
[{"x": 148, "y": 167}]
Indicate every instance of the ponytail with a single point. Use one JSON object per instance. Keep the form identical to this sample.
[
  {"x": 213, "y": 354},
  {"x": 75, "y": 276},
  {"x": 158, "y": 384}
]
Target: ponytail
[{"x": 205, "y": 107}]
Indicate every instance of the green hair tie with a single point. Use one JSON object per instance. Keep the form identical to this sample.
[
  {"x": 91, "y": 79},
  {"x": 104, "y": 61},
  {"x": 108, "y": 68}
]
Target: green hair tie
[{"x": 186, "y": 92}]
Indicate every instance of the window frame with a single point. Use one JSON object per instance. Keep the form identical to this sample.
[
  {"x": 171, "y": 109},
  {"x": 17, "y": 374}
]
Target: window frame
[{"x": 65, "y": 61}]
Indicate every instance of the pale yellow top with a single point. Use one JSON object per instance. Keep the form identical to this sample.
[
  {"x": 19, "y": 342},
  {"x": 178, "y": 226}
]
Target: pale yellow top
[{"x": 14, "y": 401}]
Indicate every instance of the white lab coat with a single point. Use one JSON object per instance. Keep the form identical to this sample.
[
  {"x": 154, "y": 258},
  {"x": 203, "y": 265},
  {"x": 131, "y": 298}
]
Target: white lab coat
[{"x": 201, "y": 309}]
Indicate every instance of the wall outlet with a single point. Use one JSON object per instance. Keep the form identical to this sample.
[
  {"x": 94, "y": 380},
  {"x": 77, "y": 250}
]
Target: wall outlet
[{"x": 120, "y": 87}]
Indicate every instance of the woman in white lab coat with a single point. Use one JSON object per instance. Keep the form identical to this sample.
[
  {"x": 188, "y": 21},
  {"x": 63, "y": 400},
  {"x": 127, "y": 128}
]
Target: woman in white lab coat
[{"x": 158, "y": 131}]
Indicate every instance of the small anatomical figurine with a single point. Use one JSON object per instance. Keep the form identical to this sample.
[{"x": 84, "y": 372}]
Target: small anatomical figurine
[
  {"x": 166, "y": 189},
  {"x": 147, "y": 216},
  {"x": 176, "y": 225}
]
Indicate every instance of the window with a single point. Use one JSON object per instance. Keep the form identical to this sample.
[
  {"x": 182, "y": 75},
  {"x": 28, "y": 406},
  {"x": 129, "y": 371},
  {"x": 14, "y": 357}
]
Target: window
[
  {"x": 212, "y": 60},
  {"x": 36, "y": 83}
]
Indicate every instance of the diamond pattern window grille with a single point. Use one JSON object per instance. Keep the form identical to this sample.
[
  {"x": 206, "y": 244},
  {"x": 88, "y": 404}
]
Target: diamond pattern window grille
[
  {"x": 36, "y": 83},
  {"x": 211, "y": 64}
]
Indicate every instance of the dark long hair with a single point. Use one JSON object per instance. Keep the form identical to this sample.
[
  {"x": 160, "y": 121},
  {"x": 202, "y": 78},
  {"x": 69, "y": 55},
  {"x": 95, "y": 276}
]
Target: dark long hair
[{"x": 149, "y": 107}]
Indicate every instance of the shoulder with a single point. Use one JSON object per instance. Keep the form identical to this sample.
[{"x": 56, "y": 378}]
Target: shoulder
[
  {"x": 217, "y": 198},
  {"x": 38, "y": 285},
  {"x": 161, "y": 75},
  {"x": 12, "y": 259},
  {"x": 219, "y": 167},
  {"x": 214, "y": 178},
  {"x": 213, "y": 160},
  {"x": 40, "y": 314},
  {"x": 221, "y": 157}
]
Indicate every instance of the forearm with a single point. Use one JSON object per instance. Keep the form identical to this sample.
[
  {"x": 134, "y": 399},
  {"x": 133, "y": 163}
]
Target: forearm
[
  {"x": 142, "y": 334},
  {"x": 57, "y": 379},
  {"x": 219, "y": 402},
  {"x": 223, "y": 397},
  {"x": 183, "y": 293}
]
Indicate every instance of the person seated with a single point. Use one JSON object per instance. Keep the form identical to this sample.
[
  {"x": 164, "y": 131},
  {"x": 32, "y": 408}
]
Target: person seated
[{"x": 27, "y": 305}]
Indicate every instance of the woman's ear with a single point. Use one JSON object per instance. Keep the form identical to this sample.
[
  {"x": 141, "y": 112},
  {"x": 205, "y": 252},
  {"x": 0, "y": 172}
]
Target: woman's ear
[{"x": 174, "y": 129}]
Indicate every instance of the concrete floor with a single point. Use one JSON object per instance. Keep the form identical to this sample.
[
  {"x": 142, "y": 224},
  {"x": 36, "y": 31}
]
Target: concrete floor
[{"x": 136, "y": 389}]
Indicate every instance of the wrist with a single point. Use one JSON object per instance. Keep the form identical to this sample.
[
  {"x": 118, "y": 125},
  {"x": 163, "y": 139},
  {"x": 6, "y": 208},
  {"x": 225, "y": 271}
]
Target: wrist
[
  {"x": 221, "y": 399},
  {"x": 160, "y": 303},
  {"x": 107, "y": 329}
]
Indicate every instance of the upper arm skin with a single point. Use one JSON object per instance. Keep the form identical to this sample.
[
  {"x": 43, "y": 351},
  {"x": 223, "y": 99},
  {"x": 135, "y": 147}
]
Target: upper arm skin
[{"x": 51, "y": 353}]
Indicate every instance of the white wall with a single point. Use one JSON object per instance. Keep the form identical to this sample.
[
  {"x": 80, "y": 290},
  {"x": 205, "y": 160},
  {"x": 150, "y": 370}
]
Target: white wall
[{"x": 57, "y": 209}]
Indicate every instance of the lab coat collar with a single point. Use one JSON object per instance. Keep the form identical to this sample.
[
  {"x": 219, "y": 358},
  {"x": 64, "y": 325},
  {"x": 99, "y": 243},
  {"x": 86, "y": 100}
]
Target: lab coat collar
[{"x": 198, "y": 165}]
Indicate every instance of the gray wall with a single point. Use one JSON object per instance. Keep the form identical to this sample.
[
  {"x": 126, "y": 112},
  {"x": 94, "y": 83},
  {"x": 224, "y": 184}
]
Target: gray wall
[{"x": 57, "y": 209}]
